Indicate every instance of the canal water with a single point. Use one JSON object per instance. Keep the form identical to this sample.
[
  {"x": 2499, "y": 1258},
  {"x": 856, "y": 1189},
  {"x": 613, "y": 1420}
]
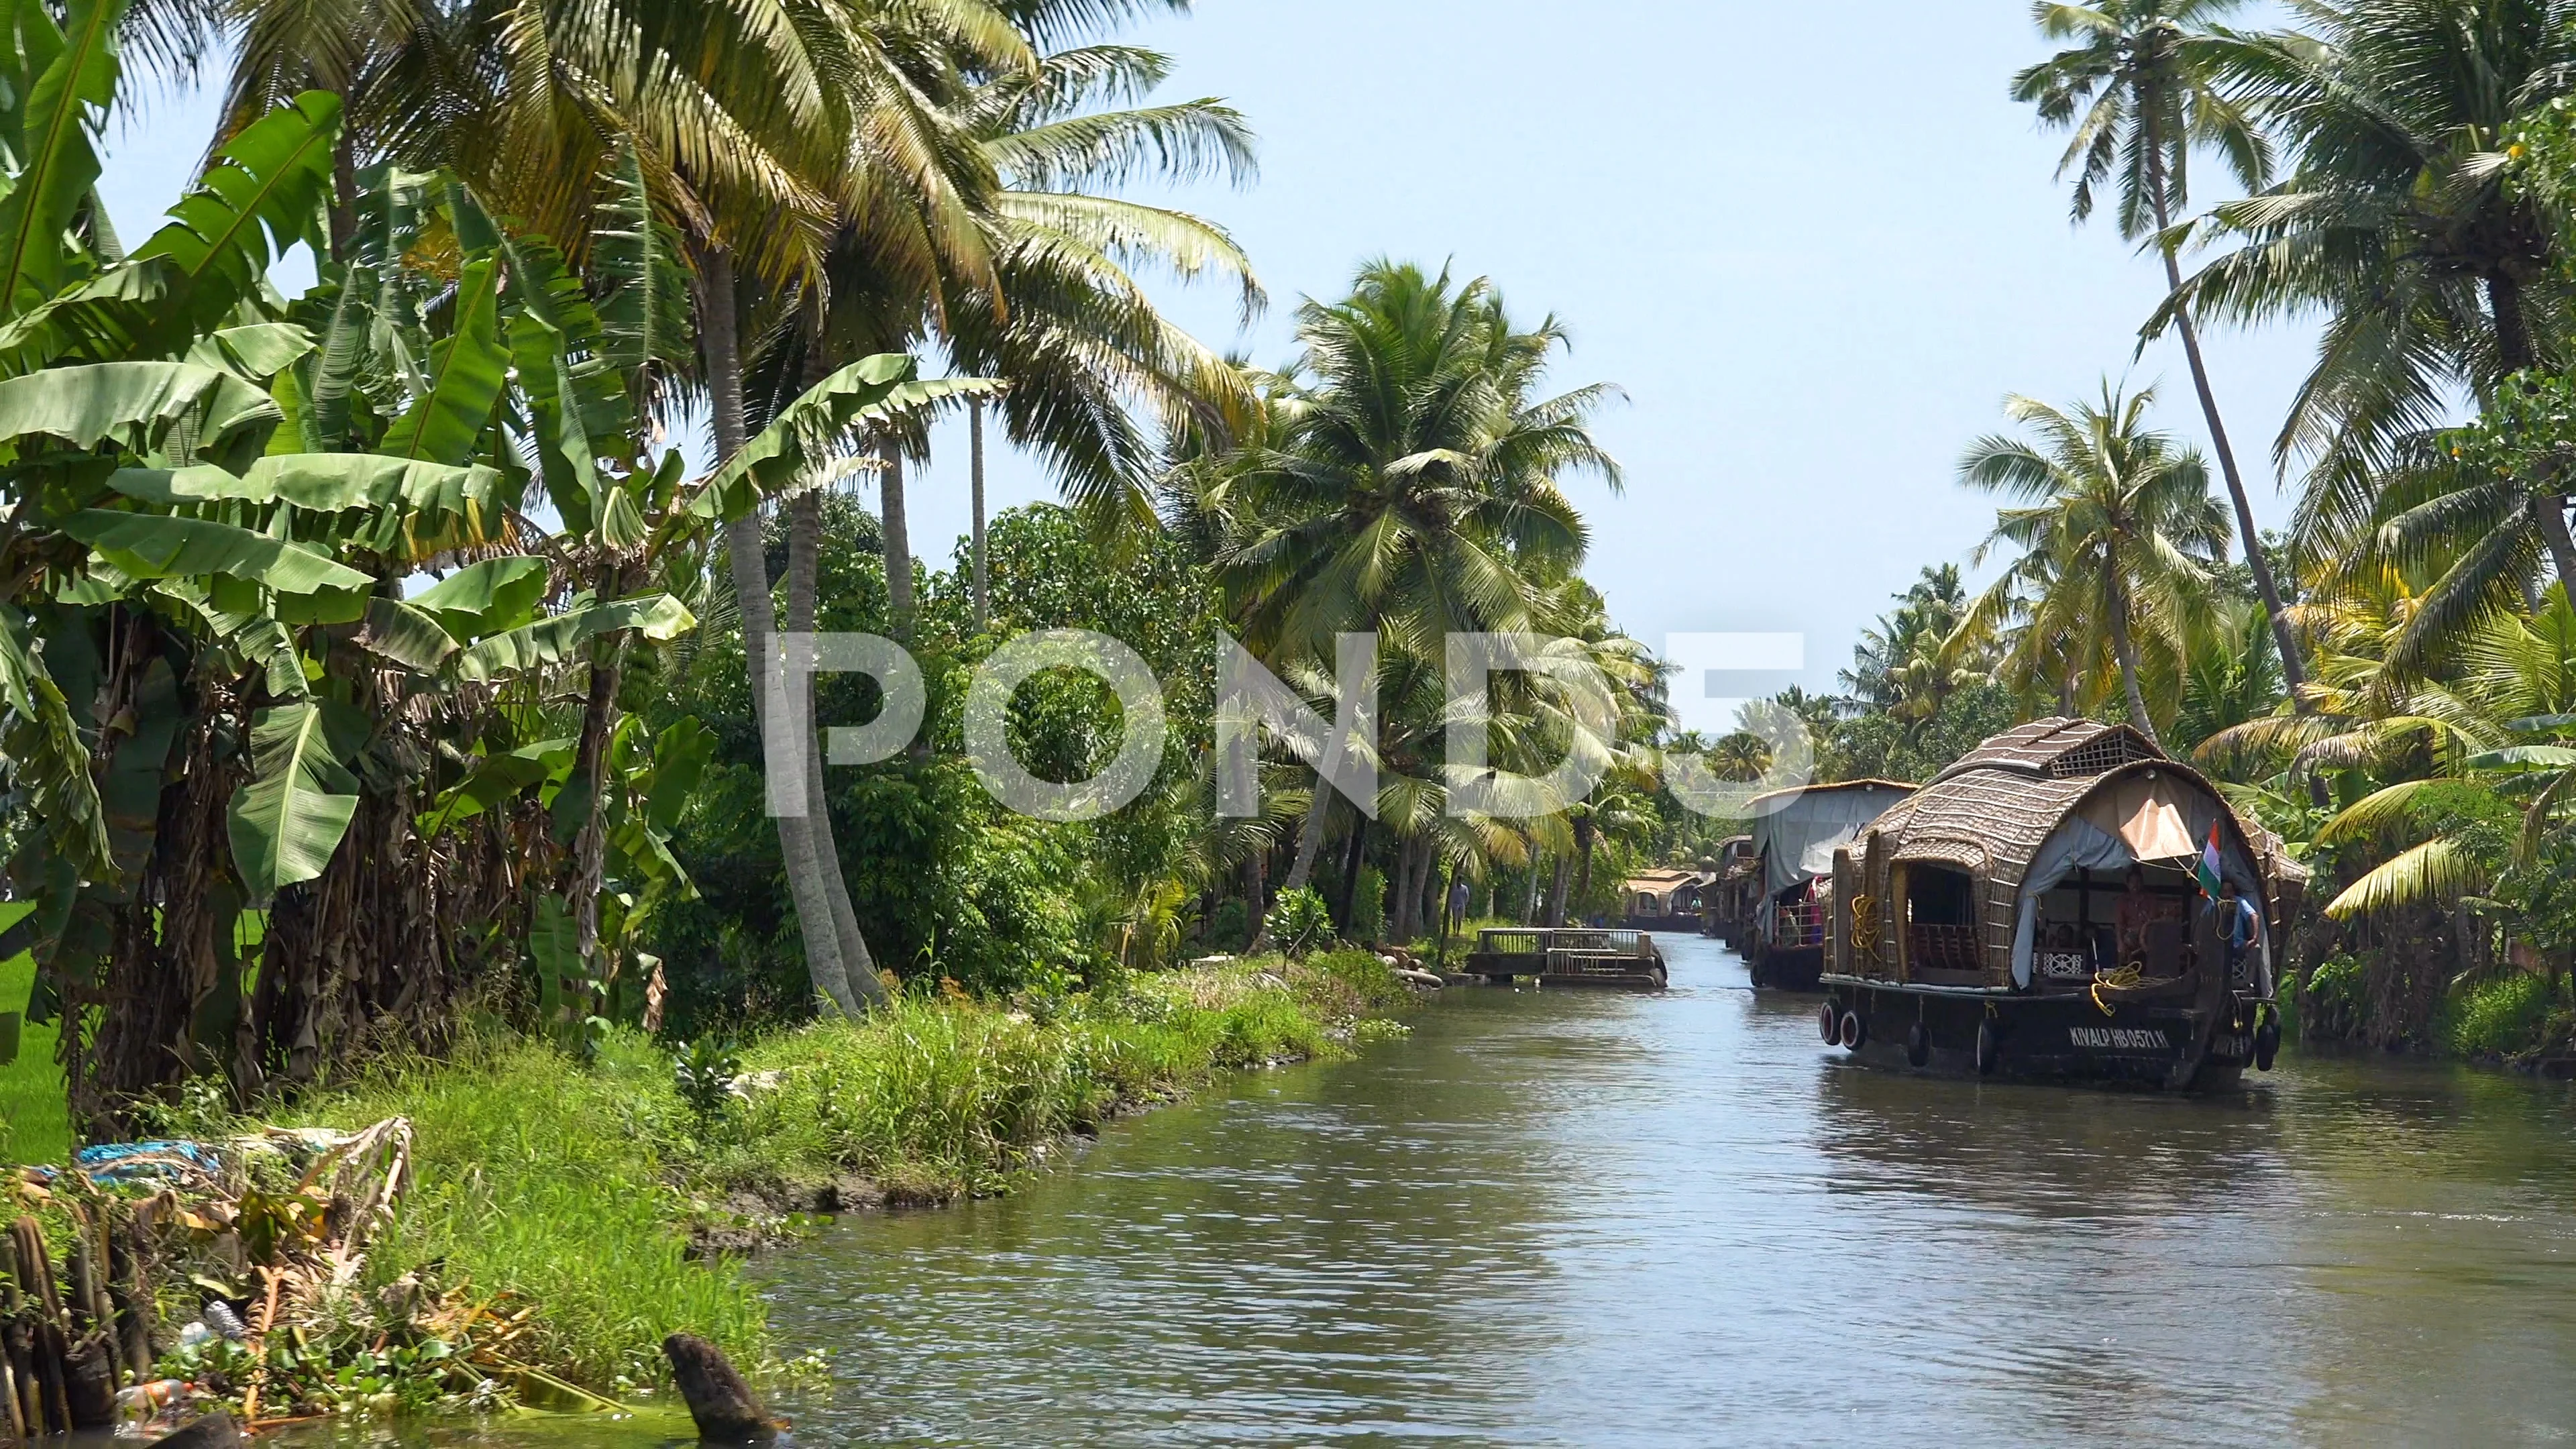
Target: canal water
[{"x": 1679, "y": 1219}]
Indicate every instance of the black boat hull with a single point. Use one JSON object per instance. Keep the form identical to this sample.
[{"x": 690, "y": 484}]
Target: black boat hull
[{"x": 2063, "y": 1039}]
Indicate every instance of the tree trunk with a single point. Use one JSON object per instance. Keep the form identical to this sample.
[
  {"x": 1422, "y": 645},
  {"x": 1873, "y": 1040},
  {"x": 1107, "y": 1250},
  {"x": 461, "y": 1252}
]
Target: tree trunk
[
  {"x": 1556, "y": 890},
  {"x": 2549, "y": 511},
  {"x": 975, "y": 444},
  {"x": 898, "y": 539},
  {"x": 1310, "y": 838},
  {"x": 2293, "y": 671},
  {"x": 1399, "y": 925},
  {"x": 760, "y": 624},
  {"x": 1529, "y": 907},
  {"x": 1256, "y": 900},
  {"x": 1354, "y": 856},
  {"x": 344, "y": 194},
  {"x": 590, "y": 759},
  {"x": 2513, "y": 330},
  {"x": 2126, "y": 650},
  {"x": 1583, "y": 869},
  {"x": 1426, "y": 865},
  {"x": 804, "y": 553}
]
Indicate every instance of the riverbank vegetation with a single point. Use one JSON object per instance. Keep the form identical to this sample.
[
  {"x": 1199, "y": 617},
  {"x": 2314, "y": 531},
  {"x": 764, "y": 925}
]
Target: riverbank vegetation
[{"x": 386, "y": 706}]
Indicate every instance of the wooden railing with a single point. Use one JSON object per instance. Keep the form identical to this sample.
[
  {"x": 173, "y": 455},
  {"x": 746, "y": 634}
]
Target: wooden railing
[
  {"x": 1565, "y": 940},
  {"x": 1802, "y": 924}
]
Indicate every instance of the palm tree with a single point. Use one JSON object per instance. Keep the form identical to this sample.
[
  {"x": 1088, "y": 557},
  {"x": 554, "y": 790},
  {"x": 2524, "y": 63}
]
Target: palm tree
[
  {"x": 2116, "y": 530},
  {"x": 2143, "y": 89},
  {"x": 2435, "y": 274},
  {"x": 1412, "y": 487},
  {"x": 1057, "y": 311}
]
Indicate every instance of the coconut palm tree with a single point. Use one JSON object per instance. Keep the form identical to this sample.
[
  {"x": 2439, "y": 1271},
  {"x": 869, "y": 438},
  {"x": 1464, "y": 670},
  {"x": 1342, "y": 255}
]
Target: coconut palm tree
[
  {"x": 2144, "y": 88},
  {"x": 1413, "y": 487},
  {"x": 2116, "y": 532},
  {"x": 2398, "y": 221},
  {"x": 1060, "y": 313}
]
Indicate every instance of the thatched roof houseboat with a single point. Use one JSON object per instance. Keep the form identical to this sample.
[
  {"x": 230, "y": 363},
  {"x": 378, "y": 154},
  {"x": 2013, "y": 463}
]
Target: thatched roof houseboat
[{"x": 2063, "y": 903}]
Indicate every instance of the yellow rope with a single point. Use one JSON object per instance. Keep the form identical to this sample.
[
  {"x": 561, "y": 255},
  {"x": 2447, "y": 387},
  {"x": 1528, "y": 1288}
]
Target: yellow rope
[
  {"x": 1864, "y": 915},
  {"x": 2120, "y": 980}
]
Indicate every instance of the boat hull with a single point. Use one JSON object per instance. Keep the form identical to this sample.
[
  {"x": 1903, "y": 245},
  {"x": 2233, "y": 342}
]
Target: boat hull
[
  {"x": 1788, "y": 968},
  {"x": 2066, "y": 1039}
]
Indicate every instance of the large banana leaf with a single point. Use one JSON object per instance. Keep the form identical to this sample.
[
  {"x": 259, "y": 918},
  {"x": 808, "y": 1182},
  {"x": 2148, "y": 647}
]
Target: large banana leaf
[
  {"x": 465, "y": 378},
  {"x": 371, "y": 319},
  {"x": 497, "y": 779},
  {"x": 56, "y": 164},
  {"x": 491, "y": 597},
  {"x": 288, "y": 820},
  {"x": 45, "y": 750},
  {"x": 658, "y": 617},
  {"x": 157, "y": 546},
  {"x": 269, "y": 183},
  {"x": 319, "y": 483},
  {"x": 136, "y": 404},
  {"x": 564, "y": 457},
  {"x": 407, "y": 635},
  {"x": 246, "y": 626},
  {"x": 769, "y": 465},
  {"x": 258, "y": 350},
  {"x": 100, "y": 320}
]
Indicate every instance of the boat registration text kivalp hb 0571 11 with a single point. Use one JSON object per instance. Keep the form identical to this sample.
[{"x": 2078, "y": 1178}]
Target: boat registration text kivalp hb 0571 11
[{"x": 2118, "y": 1038}]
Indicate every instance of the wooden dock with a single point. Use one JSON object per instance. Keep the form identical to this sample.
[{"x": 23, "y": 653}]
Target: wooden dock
[{"x": 1568, "y": 956}]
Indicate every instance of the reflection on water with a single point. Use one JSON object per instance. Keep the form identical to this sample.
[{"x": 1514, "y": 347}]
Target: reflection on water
[{"x": 1679, "y": 1219}]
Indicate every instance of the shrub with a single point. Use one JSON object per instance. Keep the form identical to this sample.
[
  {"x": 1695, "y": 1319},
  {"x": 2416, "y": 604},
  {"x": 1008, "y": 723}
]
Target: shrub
[
  {"x": 2506, "y": 1017},
  {"x": 1300, "y": 922}
]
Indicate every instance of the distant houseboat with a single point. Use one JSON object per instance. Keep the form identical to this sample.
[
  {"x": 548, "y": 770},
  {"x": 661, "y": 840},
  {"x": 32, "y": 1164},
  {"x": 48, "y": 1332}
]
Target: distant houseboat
[
  {"x": 2041, "y": 910},
  {"x": 1795, "y": 834},
  {"x": 1728, "y": 902},
  {"x": 1664, "y": 900}
]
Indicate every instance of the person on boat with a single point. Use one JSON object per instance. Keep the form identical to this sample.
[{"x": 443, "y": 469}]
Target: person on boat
[
  {"x": 2243, "y": 924},
  {"x": 2140, "y": 909}
]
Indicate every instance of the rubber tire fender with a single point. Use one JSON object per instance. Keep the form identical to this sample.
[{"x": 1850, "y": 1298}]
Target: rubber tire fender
[
  {"x": 1918, "y": 1045},
  {"x": 1989, "y": 1047},
  {"x": 1855, "y": 1030},
  {"x": 1830, "y": 1024},
  {"x": 2267, "y": 1045}
]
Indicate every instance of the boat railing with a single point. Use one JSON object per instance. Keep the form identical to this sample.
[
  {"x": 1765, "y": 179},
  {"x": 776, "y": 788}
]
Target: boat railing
[
  {"x": 1568, "y": 942},
  {"x": 1800, "y": 924}
]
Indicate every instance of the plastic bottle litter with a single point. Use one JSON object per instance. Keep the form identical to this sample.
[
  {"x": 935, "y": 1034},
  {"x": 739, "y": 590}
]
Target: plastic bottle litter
[{"x": 220, "y": 1317}]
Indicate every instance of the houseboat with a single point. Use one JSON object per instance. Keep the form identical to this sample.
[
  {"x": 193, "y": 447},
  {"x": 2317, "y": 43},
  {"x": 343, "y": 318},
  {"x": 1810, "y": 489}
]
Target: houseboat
[
  {"x": 1795, "y": 834},
  {"x": 1664, "y": 900},
  {"x": 1728, "y": 902},
  {"x": 2058, "y": 906}
]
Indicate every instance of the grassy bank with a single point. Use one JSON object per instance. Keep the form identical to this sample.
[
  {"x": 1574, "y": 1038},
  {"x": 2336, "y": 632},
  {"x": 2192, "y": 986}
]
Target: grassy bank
[
  {"x": 34, "y": 1124},
  {"x": 576, "y": 1189}
]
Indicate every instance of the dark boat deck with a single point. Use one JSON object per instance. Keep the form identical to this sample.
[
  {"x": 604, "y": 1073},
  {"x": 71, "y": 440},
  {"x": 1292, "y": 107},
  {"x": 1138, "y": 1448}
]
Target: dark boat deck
[{"x": 1569, "y": 956}]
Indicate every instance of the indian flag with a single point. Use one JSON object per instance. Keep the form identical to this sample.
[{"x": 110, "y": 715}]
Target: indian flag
[{"x": 2208, "y": 871}]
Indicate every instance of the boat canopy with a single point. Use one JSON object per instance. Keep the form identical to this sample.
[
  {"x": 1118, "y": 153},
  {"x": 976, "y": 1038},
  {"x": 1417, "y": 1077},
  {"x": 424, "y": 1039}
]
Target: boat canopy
[
  {"x": 1796, "y": 832},
  {"x": 2026, "y": 812}
]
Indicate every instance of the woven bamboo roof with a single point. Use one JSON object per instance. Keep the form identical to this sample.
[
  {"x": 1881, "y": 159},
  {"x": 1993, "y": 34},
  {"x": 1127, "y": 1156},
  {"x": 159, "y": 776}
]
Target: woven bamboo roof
[{"x": 2005, "y": 798}]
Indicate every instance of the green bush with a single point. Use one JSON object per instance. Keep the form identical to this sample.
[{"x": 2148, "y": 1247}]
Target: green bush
[
  {"x": 1300, "y": 922},
  {"x": 2506, "y": 1017}
]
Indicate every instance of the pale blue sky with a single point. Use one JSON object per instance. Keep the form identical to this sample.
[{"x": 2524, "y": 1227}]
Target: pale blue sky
[{"x": 1816, "y": 253}]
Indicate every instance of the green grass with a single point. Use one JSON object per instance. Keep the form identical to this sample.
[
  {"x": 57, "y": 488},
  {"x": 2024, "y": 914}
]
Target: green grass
[
  {"x": 541, "y": 1178},
  {"x": 574, "y": 1186},
  {"x": 35, "y": 1126},
  {"x": 2511, "y": 1016}
]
